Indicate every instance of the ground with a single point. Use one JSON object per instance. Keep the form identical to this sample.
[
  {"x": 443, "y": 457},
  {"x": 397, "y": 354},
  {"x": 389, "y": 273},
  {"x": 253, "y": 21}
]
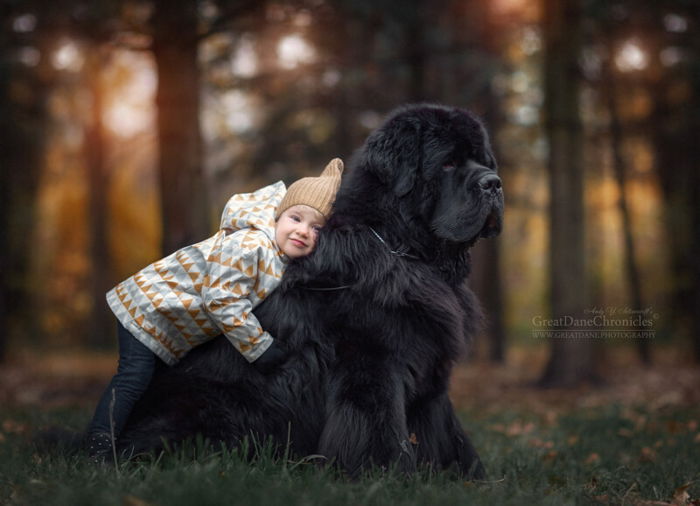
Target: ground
[{"x": 634, "y": 439}]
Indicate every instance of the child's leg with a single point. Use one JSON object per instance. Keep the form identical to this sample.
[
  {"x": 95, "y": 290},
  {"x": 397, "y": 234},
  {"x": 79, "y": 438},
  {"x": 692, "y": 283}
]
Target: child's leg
[{"x": 136, "y": 364}]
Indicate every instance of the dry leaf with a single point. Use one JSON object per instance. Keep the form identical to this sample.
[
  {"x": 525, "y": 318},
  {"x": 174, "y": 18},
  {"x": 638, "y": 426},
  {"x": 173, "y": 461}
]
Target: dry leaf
[
  {"x": 12, "y": 427},
  {"x": 132, "y": 500},
  {"x": 549, "y": 456},
  {"x": 681, "y": 495},
  {"x": 551, "y": 417},
  {"x": 517, "y": 428},
  {"x": 592, "y": 458},
  {"x": 538, "y": 443},
  {"x": 647, "y": 455}
]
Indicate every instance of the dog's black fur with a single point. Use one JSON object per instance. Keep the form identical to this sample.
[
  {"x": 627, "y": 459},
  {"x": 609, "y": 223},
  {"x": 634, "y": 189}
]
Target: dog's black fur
[{"x": 373, "y": 320}]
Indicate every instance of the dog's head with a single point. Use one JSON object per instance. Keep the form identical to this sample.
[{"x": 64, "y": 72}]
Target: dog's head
[{"x": 438, "y": 165}]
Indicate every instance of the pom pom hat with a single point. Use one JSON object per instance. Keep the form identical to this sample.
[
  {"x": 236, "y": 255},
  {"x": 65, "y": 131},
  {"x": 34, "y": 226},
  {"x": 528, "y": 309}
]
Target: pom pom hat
[{"x": 317, "y": 192}]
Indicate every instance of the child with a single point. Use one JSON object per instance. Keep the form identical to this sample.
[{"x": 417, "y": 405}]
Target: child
[{"x": 210, "y": 288}]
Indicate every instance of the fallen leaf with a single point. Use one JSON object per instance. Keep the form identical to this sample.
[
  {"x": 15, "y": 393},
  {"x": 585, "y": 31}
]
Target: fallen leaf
[
  {"x": 12, "y": 427},
  {"x": 517, "y": 428},
  {"x": 538, "y": 443},
  {"x": 675, "y": 427},
  {"x": 647, "y": 455},
  {"x": 549, "y": 456},
  {"x": 681, "y": 495},
  {"x": 592, "y": 458},
  {"x": 551, "y": 417},
  {"x": 132, "y": 500}
]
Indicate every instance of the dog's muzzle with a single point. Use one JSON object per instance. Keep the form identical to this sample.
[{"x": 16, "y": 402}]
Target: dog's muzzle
[{"x": 490, "y": 182}]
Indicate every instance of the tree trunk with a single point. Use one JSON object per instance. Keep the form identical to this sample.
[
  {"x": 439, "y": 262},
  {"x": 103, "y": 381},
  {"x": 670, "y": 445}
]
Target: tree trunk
[
  {"x": 416, "y": 56},
  {"x": 677, "y": 151},
  {"x": 182, "y": 187},
  {"x": 100, "y": 334},
  {"x": 619, "y": 169},
  {"x": 571, "y": 359},
  {"x": 23, "y": 127}
]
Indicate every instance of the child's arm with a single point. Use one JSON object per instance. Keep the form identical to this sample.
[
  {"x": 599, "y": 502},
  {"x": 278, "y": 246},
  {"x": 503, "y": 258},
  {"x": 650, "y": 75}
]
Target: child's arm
[{"x": 233, "y": 273}]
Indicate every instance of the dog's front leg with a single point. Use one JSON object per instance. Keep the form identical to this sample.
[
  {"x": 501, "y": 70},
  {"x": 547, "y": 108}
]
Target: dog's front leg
[
  {"x": 365, "y": 418},
  {"x": 440, "y": 441}
]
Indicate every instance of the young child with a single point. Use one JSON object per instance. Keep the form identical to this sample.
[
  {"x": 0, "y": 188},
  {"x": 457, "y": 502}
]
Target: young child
[{"x": 211, "y": 288}]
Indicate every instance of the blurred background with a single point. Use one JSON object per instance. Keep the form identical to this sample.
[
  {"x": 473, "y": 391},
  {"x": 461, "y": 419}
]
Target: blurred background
[{"x": 126, "y": 125}]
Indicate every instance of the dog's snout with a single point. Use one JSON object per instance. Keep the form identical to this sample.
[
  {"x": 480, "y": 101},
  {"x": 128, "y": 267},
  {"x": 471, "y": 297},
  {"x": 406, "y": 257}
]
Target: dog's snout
[{"x": 490, "y": 182}]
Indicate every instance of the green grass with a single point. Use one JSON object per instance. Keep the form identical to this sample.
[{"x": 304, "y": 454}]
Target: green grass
[{"x": 593, "y": 456}]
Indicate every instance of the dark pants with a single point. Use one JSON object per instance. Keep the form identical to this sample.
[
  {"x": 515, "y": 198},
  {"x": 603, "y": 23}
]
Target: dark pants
[{"x": 136, "y": 364}]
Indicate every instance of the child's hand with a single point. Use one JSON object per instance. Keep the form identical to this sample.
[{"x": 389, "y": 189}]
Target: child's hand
[{"x": 273, "y": 356}]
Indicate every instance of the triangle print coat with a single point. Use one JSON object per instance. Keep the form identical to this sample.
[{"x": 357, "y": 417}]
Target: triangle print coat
[{"x": 211, "y": 287}]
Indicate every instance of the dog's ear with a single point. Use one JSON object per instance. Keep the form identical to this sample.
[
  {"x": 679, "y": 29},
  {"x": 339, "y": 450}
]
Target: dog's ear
[{"x": 394, "y": 153}]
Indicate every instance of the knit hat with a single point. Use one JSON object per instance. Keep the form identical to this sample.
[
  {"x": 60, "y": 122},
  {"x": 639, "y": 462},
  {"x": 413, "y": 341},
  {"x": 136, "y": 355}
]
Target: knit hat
[{"x": 317, "y": 192}]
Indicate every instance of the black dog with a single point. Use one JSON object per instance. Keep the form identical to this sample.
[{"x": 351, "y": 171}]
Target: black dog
[{"x": 373, "y": 320}]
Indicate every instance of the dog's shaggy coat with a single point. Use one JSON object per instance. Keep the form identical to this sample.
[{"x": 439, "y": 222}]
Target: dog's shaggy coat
[{"x": 373, "y": 320}]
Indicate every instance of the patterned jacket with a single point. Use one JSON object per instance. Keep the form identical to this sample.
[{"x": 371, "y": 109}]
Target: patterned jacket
[{"x": 211, "y": 287}]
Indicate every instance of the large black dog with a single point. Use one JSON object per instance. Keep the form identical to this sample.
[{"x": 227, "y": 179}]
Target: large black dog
[{"x": 373, "y": 320}]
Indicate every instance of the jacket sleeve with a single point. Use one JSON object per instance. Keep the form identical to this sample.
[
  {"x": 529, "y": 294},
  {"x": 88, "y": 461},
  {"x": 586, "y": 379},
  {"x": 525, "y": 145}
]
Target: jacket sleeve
[{"x": 232, "y": 271}]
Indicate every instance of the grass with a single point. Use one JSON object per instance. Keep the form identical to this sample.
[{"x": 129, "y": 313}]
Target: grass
[
  {"x": 634, "y": 441},
  {"x": 601, "y": 455}
]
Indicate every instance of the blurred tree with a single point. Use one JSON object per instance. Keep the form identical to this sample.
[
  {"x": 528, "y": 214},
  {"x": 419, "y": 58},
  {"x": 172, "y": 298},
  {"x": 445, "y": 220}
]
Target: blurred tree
[
  {"x": 98, "y": 179},
  {"x": 183, "y": 197},
  {"x": 177, "y": 30},
  {"x": 95, "y": 26},
  {"x": 674, "y": 124},
  {"x": 26, "y": 76},
  {"x": 571, "y": 359},
  {"x": 616, "y": 134},
  {"x": 664, "y": 39}
]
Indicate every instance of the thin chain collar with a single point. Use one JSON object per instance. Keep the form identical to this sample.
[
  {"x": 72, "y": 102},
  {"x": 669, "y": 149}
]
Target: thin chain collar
[
  {"x": 343, "y": 287},
  {"x": 400, "y": 253}
]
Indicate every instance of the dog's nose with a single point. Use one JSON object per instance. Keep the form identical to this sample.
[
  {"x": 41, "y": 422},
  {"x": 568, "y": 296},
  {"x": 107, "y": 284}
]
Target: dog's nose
[{"x": 490, "y": 182}]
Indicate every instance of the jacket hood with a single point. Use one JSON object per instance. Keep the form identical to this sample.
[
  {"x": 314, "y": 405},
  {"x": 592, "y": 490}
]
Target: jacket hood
[{"x": 253, "y": 210}]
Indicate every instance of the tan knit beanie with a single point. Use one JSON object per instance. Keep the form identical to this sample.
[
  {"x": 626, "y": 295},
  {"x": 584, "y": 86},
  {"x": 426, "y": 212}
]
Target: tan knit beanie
[{"x": 317, "y": 192}]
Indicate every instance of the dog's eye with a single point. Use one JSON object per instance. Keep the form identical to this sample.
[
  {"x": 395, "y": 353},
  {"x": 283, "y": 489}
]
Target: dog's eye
[{"x": 448, "y": 167}]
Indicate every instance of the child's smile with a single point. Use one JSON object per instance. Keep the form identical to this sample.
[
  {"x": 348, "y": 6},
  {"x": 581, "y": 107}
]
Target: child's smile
[{"x": 297, "y": 229}]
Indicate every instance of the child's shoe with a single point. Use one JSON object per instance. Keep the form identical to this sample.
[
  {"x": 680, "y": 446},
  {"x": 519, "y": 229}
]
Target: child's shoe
[{"x": 99, "y": 447}]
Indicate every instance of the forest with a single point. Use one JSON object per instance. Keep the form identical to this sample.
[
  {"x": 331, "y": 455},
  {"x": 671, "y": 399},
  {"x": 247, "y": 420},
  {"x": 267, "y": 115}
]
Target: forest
[{"x": 125, "y": 126}]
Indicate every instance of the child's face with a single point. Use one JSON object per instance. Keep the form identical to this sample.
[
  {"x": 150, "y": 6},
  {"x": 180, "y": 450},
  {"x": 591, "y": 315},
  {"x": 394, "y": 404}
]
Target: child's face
[{"x": 297, "y": 229}]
